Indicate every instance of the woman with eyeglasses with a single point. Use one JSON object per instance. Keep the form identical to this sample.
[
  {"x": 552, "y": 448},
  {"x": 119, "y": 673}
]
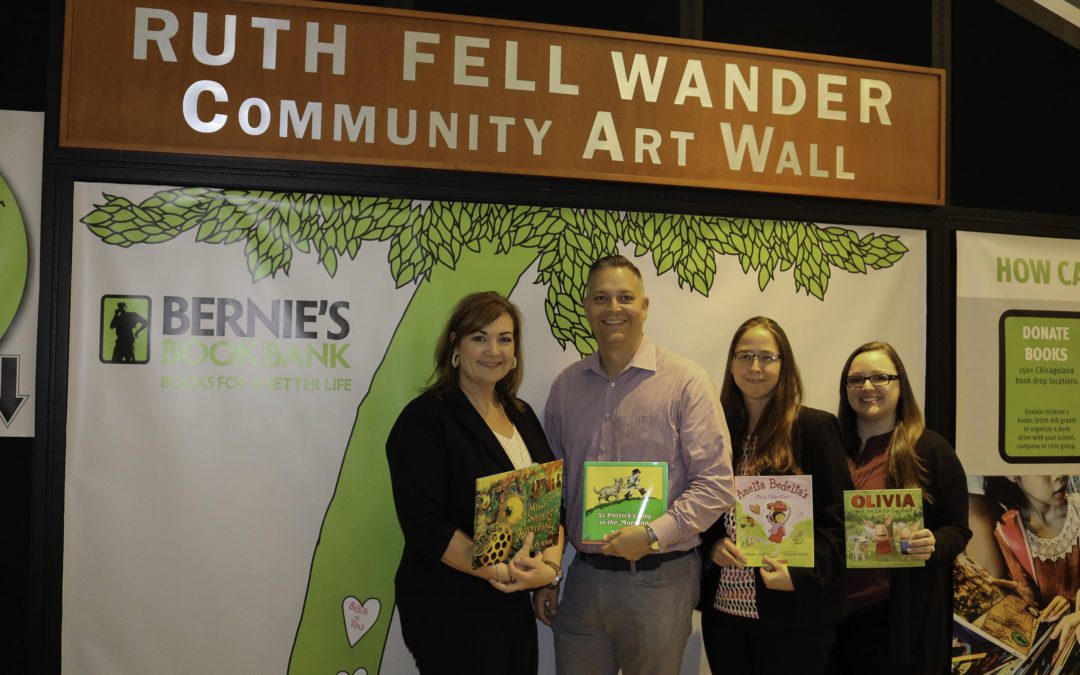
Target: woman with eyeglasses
[
  {"x": 774, "y": 618},
  {"x": 898, "y": 619}
]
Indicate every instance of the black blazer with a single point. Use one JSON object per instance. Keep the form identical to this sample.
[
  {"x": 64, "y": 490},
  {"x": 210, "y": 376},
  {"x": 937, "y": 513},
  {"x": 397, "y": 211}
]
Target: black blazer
[
  {"x": 920, "y": 622},
  {"x": 818, "y": 597},
  {"x": 436, "y": 450}
]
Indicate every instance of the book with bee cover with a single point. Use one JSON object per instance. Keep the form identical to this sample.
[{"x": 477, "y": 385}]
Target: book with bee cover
[
  {"x": 512, "y": 504},
  {"x": 878, "y": 525},
  {"x": 617, "y": 494},
  {"x": 774, "y": 516}
]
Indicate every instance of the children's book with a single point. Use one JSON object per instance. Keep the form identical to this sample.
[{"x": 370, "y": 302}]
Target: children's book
[
  {"x": 973, "y": 654},
  {"x": 510, "y": 505},
  {"x": 878, "y": 525},
  {"x": 617, "y": 494},
  {"x": 1004, "y": 620},
  {"x": 998, "y": 631},
  {"x": 774, "y": 516}
]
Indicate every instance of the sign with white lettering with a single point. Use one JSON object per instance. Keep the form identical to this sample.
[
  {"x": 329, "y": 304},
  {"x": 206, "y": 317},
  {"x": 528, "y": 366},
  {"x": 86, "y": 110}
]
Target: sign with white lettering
[
  {"x": 1040, "y": 387},
  {"x": 374, "y": 86}
]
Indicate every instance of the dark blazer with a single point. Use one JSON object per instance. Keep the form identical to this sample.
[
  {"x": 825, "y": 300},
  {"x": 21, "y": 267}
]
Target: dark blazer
[
  {"x": 818, "y": 598},
  {"x": 920, "y": 623},
  {"x": 436, "y": 450}
]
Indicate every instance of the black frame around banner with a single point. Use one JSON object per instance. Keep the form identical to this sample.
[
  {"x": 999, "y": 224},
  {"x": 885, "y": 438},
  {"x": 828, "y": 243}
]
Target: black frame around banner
[{"x": 63, "y": 167}]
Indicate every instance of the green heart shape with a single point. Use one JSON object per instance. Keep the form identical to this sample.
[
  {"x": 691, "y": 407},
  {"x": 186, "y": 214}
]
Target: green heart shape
[{"x": 13, "y": 256}]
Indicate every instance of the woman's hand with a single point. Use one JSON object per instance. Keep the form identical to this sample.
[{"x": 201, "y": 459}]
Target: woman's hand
[
  {"x": 727, "y": 554},
  {"x": 1065, "y": 631},
  {"x": 775, "y": 575},
  {"x": 921, "y": 545},
  {"x": 524, "y": 571}
]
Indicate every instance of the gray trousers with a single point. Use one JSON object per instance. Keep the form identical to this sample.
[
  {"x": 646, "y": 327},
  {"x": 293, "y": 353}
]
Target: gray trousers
[{"x": 637, "y": 621}]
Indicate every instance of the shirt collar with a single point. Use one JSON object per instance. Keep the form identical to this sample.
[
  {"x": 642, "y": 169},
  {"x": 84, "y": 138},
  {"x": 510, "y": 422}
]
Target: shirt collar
[{"x": 644, "y": 359}]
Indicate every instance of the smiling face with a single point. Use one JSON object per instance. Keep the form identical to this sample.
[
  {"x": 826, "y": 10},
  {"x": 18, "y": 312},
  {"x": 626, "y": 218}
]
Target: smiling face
[
  {"x": 876, "y": 404},
  {"x": 756, "y": 379},
  {"x": 487, "y": 355},
  {"x": 616, "y": 308},
  {"x": 1042, "y": 490}
]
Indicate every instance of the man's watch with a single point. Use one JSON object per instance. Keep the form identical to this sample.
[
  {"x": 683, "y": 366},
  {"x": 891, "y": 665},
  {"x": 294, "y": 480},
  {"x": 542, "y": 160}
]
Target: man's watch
[
  {"x": 654, "y": 541},
  {"x": 558, "y": 574}
]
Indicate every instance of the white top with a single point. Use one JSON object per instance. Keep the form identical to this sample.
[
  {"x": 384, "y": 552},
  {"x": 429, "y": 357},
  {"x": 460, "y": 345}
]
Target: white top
[
  {"x": 516, "y": 450},
  {"x": 1059, "y": 546}
]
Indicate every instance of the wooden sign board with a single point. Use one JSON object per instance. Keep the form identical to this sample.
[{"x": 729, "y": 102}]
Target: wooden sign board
[{"x": 340, "y": 83}]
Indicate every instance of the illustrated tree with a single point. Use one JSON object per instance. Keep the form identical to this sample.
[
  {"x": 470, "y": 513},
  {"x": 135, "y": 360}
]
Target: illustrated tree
[{"x": 445, "y": 250}]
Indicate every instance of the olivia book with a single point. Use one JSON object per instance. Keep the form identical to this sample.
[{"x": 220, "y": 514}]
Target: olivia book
[{"x": 878, "y": 525}]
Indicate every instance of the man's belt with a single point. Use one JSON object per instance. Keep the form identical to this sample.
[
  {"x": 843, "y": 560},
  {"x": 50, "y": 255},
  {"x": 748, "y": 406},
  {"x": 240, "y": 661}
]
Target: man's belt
[{"x": 614, "y": 563}]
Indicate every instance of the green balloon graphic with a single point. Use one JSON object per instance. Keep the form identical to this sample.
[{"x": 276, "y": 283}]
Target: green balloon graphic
[{"x": 13, "y": 256}]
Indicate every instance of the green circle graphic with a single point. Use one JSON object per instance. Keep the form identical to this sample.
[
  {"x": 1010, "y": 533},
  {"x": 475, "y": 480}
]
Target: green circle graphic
[{"x": 13, "y": 256}]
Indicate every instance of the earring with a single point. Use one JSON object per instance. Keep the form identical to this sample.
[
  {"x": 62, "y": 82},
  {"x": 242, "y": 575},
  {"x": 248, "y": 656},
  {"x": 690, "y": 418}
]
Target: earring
[
  {"x": 513, "y": 364},
  {"x": 455, "y": 359}
]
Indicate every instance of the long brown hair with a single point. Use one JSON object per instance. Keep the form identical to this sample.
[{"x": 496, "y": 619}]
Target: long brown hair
[
  {"x": 472, "y": 313},
  {"x": 903, "y": 469},
  {"x": 773, "y": 433}
]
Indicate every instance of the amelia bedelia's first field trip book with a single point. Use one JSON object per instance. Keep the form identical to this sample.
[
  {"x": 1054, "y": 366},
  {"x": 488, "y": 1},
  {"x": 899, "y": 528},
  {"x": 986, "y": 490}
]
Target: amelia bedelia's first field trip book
[
  {"x": 774, "y": 516},
  {"x": 510, "y": 505},
  {"x": 617, "y": 494},
  {"x": 878, "y": 525}
]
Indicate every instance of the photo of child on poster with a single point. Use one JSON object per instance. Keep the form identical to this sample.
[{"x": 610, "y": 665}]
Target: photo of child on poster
[{"x": 1016, "y": 605}]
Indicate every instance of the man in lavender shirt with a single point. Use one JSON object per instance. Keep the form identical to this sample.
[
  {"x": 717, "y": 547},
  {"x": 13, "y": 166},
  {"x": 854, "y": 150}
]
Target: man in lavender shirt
[{"x": 627, "y": 603}]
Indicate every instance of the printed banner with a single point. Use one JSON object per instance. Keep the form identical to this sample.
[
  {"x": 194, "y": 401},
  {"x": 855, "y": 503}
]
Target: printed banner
[
  {"x": 339, "y": 83},
  {"x": 21, "y": 137},
  {"x": 1017, "y": 581},
  {"x": 1018, "y": 353},
  {"x": 238, "y": 357}
]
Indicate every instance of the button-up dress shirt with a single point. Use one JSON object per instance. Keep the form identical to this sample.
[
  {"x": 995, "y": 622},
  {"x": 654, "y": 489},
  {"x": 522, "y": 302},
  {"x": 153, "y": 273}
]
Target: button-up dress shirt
[{"x": 660, "y": 408}]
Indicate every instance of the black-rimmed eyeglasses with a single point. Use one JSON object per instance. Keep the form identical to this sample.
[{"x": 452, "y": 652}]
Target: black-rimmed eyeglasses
[
  {"x": 746, "y": 358},
  {"x": 877, "y": 379}
]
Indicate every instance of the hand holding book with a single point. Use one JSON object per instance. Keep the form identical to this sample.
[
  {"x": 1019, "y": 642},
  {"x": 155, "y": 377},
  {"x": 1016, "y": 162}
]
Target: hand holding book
[
  {"x": 727, "y": 554},
  {"x": 524, "y": 571},
  {"x": 630, "y": 542},
  {"x": 921, "y": 544},
  {"x": 775, "y": 575}
]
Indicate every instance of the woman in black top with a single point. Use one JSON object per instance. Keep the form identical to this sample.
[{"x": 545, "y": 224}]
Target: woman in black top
[
  {"x": 774, "y": 619},
  {"x": 899, "y": 619},
  {"x": 467, "y": 425}
]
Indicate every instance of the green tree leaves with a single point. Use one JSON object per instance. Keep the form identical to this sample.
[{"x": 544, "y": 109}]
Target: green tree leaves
[{"x": 275, "y": 226}]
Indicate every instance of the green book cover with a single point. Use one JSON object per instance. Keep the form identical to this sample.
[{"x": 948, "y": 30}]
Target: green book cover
[
  {"x": 617, "y": 494},
  {"x": 774, "y": 516},
  {"x": 878, "y": 525},
  {"x": 510, "y": 505}
]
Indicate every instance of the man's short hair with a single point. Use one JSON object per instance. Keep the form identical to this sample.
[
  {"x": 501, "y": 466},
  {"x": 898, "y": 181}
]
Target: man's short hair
[{"x": 609, "y": 262}]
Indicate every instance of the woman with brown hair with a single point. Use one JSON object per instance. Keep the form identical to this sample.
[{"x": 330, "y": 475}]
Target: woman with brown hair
[
  {"x": 468, "y": 424},
  {"x": 774, "y": 618},
  {"x": 898, "y": 619}
]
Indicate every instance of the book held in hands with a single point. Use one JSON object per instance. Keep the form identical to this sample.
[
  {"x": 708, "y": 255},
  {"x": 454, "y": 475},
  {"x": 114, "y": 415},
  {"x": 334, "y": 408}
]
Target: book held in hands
[
  {"x": 878, "y": 525},
  {"x": 618, "y": 494},
  {"x": 774, "y": 516},
  {"x": 510, "y": 505}
]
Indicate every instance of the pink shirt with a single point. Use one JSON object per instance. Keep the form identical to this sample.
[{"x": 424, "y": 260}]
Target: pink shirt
[{"x": 661, "y": 408}]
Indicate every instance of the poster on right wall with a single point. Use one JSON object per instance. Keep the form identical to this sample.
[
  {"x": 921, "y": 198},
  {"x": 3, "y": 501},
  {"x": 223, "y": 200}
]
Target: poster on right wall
[
  {"x": 1017, "y": 353},
  {"x": 1016, "y": 605}
]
